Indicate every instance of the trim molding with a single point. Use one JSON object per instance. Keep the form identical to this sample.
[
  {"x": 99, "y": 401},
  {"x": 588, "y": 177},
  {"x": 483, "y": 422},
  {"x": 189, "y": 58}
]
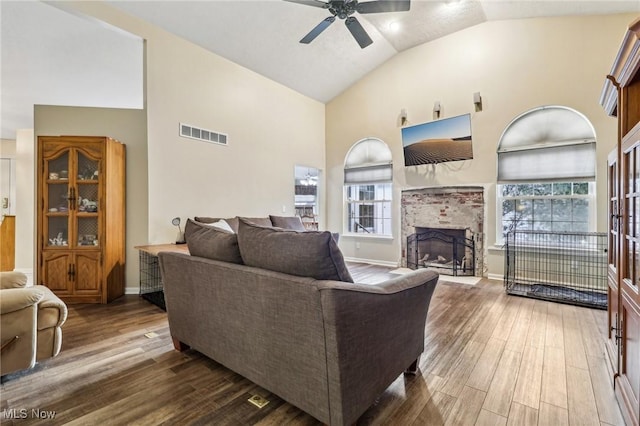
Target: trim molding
[
  {"x": 497, "y": 277},
  {"x": 132, "y": 290}
]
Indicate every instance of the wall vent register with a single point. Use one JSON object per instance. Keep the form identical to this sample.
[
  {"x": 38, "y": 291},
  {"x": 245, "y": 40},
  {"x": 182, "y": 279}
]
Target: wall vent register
[{"x": 192, "y": 132}]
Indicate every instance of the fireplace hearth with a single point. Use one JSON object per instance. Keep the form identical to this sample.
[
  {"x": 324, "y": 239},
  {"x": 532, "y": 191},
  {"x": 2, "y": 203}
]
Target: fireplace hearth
[{"x": 448, "y": 251}]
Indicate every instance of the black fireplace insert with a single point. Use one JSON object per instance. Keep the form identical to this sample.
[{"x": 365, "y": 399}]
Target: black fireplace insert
[{"x": 448, "y": 251}]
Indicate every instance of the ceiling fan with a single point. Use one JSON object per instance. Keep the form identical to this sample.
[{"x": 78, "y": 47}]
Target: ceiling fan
[{"x": 343, "y": 9}]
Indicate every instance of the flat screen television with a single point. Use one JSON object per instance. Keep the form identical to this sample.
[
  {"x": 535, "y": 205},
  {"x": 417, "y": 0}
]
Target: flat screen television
[{"x": 438, "y": 141}]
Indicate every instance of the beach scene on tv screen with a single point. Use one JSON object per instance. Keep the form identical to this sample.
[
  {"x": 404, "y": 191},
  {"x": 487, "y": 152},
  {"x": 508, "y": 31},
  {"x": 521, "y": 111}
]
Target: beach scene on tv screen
[{"x": 438, "y": 141}]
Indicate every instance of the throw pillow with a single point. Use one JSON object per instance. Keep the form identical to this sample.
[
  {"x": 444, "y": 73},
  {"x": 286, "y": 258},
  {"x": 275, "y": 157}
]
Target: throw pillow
[
  {"x": 190, "y": 227},
  {"x": 288, "y": 222},
  {"x": 307, "y": 254},
  {"x": 214, "y": 243},
  {"x": 222, "y": 224}
]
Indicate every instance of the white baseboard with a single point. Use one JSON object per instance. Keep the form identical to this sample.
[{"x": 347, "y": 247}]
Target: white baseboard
[
  {"x": 496, "y": 277},
  {"x": 372, "y": 262},
  {"x": 28, "y": 272},
  {"x": 132, "y": 290}
]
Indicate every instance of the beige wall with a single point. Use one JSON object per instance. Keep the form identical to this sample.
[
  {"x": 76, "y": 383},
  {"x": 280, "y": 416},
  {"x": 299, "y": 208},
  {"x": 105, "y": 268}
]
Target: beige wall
[
  {"x": 515, "y": 65},
  {"x": 129, "y": 127},
  {"x": 271, "y": 129}
]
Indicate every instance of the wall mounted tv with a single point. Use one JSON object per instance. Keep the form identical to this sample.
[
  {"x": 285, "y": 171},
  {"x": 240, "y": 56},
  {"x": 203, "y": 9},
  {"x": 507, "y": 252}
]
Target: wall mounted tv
[{"x": 438, "y": 141}]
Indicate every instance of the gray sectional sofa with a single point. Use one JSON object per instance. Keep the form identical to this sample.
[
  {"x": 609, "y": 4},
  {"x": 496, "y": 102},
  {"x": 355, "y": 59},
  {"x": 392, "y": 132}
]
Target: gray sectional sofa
[{"x": 278, "y": 307}]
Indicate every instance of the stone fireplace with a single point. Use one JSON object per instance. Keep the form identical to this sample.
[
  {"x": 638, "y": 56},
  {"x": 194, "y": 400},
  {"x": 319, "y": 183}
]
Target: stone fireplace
[{"x": 444, "y": 227}]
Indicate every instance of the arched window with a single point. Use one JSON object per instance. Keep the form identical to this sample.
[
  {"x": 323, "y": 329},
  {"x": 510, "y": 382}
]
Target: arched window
[
  {"x": 546, "y": 172},
  {"x": 368, "y": 177}
]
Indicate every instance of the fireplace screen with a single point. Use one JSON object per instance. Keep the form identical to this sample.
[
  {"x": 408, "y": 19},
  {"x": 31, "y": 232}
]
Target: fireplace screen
[{"x": 448, "y": 251}]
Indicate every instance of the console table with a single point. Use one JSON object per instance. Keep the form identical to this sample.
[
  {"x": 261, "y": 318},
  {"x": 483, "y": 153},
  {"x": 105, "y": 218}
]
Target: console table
[{"x": 151, "y": 287}]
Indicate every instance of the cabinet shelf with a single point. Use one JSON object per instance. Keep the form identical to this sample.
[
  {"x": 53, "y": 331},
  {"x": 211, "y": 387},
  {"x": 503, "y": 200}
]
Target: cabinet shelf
[{"x": 87, "y": 181}]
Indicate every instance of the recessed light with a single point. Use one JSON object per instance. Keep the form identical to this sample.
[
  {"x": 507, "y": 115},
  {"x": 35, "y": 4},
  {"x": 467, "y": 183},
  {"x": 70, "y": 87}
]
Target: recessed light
[{"x": 393, "y": 26}]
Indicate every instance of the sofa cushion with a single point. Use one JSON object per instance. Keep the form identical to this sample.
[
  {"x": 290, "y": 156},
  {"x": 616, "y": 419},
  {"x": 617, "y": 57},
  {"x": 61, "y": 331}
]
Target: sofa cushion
[
  {"x": 214, "y": 243},
  {"x": 307, "y": 254},
  {"x": 288, "y": 222}
]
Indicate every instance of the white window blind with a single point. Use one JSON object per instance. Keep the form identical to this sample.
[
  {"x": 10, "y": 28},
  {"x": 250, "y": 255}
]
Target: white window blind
[
  {"x": 549, "y": 143},
  {"x": 565, "y": 162},
  {"x": 368, "y": 174}
]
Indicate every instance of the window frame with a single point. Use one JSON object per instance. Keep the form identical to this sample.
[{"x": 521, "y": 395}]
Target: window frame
[
  {"x": 369, "y": 163},
  {"x": 385, "y": 188},
  {"x": 500, "y": 198}
]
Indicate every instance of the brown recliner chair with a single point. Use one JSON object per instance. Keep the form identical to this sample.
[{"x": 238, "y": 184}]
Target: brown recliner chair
[{"x": 30, "y": 323}]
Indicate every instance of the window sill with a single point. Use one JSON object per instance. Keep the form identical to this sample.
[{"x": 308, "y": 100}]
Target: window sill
[{"x": 367, "y": 236}]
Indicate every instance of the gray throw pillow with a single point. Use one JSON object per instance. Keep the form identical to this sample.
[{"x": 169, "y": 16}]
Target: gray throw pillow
[
  {"x": 214, "y": 243},
  {"x": 306, "y": 254},
  {"x": 288, "y": 222}
]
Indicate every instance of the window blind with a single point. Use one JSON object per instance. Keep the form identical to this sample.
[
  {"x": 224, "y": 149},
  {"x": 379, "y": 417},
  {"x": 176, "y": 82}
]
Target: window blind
[
  {"x": 548, "y": 162},
  {"x": 368, "y": 174}
]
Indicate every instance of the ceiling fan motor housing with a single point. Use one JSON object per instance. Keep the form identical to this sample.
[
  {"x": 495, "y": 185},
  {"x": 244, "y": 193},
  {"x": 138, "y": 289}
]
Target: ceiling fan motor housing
[{"x": 343, "y": 9}]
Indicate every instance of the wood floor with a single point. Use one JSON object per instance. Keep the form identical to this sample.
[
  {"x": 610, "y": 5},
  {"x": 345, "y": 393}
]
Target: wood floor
[{"x": 490, "y": 359}]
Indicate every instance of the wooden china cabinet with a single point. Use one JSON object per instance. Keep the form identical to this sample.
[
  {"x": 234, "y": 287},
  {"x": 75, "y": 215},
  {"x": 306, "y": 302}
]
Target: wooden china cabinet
[
  {"x": 621, "y": 98},
  {"x": 81, "y": 217}
]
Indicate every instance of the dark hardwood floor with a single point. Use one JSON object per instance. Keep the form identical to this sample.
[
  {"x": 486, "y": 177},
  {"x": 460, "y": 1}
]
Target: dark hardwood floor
[{"x": 489, "y": 359}]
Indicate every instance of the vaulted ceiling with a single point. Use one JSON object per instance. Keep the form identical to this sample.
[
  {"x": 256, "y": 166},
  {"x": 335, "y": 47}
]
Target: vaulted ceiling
[{"x": 260, "y": 35}]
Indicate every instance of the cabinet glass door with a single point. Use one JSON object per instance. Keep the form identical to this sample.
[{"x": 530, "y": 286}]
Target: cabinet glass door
[
  {"x": 88, "y": 206},
  {"x": 58, "y": 194},
  {"x": 631, "y": 268}
]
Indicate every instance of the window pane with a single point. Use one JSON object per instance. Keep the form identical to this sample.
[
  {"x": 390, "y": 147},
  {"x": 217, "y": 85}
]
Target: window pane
[
  {"x": 580, "y": 227},
  {"x": 561, "y": 209},
  {"x": 524, "y": 189},
  {"x": 542, "y": 189},
  {"x": 542, "y": 226},
  {"x": 581, "y": 188},
  {"x": 552, "y": 207},
  {"x": 561, "y": 189},
  {"x": 525, "y": 209},
  {"x": 581, "y": 211},
  {"x": 542, "y": 210},
  {"x": 509, "y": 190},
  {"x": 561, "y": 226}
]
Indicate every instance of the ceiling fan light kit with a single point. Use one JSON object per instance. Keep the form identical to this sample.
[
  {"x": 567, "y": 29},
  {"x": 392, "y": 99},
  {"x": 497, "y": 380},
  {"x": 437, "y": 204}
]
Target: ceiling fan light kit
[{"x": 343, "y": 9}]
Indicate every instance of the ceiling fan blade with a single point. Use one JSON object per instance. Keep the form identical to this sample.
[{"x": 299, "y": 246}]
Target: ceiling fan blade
[
  {"x": 317, "y": 30},
  {"x": 358, "y": 32},
  {"x": 382, "y": 6},
  {"x": 314, "y": 3}
]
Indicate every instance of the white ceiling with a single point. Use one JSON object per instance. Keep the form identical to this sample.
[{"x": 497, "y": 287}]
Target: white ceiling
[{"x": 37, "y": 39}]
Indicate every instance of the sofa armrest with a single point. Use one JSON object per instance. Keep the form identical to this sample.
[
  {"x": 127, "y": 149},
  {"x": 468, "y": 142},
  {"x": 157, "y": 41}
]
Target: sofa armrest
[
  {"x": 373, "y": 334},
  {"x": 14, "y": 299},
  {"x": 394, "y": 285},
  {"x": 52, "y": 311},
  {"x": 12, "y": 279}
]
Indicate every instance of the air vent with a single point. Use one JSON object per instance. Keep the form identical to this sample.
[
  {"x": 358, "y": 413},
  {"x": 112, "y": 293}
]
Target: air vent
[{"x": 188, "y": 131}]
